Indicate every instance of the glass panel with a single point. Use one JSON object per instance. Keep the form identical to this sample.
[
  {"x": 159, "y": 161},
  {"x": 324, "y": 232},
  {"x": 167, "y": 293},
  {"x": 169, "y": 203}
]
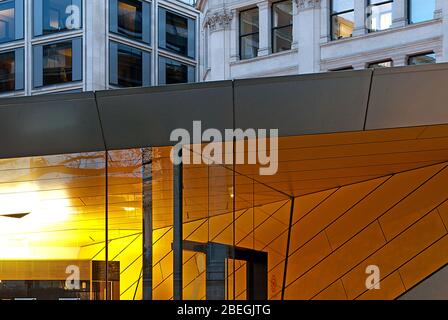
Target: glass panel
[
  {"x": 52, "y": 228},
  {"x": 282, "y": 14},
  {"x": 176, "y": 33},
  {"x": 174, "y": 71},
  {"x": 422, "y": 59},
  {"x": 129, "y": 66},
  {"x": 382, "y": 64},
  {"x": 249, "y": 46},
  {"x": 130, "y": 18},
  {"x": 343, "y": 25},
  {"x": 249, "y": 22},
  {"x": 381, "y": 17},
  {"x": 342, "y": 5},
  {"x": 60, "y": 15},
  {"x": 421, "y": 10},
  {"x": 7, "y": 71},
  {"x": 282, "y": 39},
  {"x": 57, "y": 63},
  {"x": 7, "y": 24}
]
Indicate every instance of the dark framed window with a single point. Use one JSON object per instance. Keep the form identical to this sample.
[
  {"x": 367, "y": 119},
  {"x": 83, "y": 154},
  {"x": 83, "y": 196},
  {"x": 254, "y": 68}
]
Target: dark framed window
[
  {"x": 421, "y": 10},
  {"x": 131, "y": 18},
  {"x": 11, "y": 20},
  {"x": 342, "y": 69},
  {"x": 281, "y": 26},
  {"x": 57, "y": 63},
  {"x": 379, "y": 15},
  {"x": 381, "y": 64},
  {"x": 423, "y": 58},
  {"x": 342, "y": 19},
  {"x": 129, "y": 66},
  {"x": 249, "y": 33},
  {"x": 11, "y": 70},
  {"x": 173, "y": 72},
  {"x": 52, "y": 16},
  {"x": 177, "y": 33}
]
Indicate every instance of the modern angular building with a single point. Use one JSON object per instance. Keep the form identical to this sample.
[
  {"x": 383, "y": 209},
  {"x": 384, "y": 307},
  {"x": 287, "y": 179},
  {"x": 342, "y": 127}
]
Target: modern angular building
[
  {"x": 361, "y": 190},
  {"x": 49, "y": 46}
]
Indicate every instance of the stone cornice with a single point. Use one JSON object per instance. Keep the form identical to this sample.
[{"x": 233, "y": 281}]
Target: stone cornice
[
  {"x": 307, "y": 4},
  {"x": 218, "y": 20}
]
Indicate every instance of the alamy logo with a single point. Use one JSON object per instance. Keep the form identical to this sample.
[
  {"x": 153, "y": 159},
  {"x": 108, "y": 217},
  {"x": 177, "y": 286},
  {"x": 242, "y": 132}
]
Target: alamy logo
[
  {"x": 73, "y": 281},
  {"x": 73, "y": 20},
  {"x": 261, "y": 150}
]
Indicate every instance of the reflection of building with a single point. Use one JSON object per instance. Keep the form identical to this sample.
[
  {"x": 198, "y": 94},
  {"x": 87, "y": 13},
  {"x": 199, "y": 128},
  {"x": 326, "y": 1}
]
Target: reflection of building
[
  {"x": 362, "y": 181},
  {"x": 51, "y": 46},
  {"x": 244, "y": 39}
]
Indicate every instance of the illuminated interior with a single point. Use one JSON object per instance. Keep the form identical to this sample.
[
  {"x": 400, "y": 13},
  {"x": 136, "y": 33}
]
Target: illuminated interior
[{"x": 338, "y": 202}]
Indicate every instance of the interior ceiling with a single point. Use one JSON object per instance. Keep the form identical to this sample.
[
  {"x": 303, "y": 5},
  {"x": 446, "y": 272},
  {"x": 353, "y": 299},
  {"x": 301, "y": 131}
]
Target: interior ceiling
[{"x": 65, "y": 195}]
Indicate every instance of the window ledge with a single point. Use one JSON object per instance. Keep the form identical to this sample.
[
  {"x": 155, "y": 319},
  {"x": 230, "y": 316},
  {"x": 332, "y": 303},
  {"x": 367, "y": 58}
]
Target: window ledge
[{"x": 269, "y": 56}]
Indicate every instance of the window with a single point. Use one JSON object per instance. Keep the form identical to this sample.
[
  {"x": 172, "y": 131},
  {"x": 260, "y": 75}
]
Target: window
[
  {"x": 131, "y": 18},
  {"x": 379, "y": 15},
  {"x": 381, "y": 64},
  {"x": 11, "y": 70},
  {"x": 342, "y": 69},
  {"x": 177, "y": 33},
  {"x": 11, "y": 20},
  {"x": 281, "y": 26},
  {"x": 172, "y": 72},
  {"x": 342, "y": 18},
  {"x": 128, "y": 66},
  {"x": 249, "y": 34},
  {"x": 421, "y": 10},
  {"x": 51, "y": 16},
  {"x": 57, "y": 63},
  {"x": 425, "y": 58}
]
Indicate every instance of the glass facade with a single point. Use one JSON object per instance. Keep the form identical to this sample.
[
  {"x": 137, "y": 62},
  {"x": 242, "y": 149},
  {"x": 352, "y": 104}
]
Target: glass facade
[
  {"x": 57, "y": 63},
  {"x": 11, "y": 70},
  {"x": 421, "y": 10},
  {"x": 425, "y": 58},
  {"x": 177, "y": 33},
  {"x": 173, "y": 72},
  {"x": 281, "y": 26},
  {"x": 342, "y": 19},
  {"x": 131, "y": 19},
  {"x": 52, "y": 16},
  {"x": 11, "y": 20},
  {"x": 249, "y": 34},
  {"x": 379, "y": 15},
  {"x": 129, "y": 67}
]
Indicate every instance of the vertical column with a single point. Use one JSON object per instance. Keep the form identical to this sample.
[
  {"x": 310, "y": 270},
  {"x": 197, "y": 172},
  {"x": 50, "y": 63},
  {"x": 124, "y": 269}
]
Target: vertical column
[
  {"x": 264, "y": 14},
  {"x": 442, "y": 5},
  {"x": 95, "y": 26},
  {"x": 219, "y": 28},
  {"x": 360, "y": 17},
  {"x": 147, "y": 223},
  {"x": 308, "y": 23},
  {"x": 234, "y": 36},
  {"x": 177, "y": 228},
  {"x": 295, "y": 26},
  {"x": 399, "y": 8}
]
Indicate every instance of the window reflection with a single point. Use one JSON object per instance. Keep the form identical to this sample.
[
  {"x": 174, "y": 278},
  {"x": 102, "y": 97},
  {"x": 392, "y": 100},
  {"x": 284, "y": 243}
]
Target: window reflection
[
  {"x": 7, "y": 21},
  {"x": 249, "y": 34},
  {"x": 60, "y": 15},
  {"x": 173, "y": 72},
  {"x": 342, "y": 18},
  {"x": 381, "y": 64},
  {"x": 129, "y": 66},
  {"x": 380, "y": 15},
  {"x": 282, "y": 26},
  {"x": 426, "y": 58},
  {"x": 176, "y": 33},
  {"x": 7, "y": 71},
  {"x": 421, "y": 10},
  {"x": 130, "y": 18},
  {"x": 57, "y": 63}
]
